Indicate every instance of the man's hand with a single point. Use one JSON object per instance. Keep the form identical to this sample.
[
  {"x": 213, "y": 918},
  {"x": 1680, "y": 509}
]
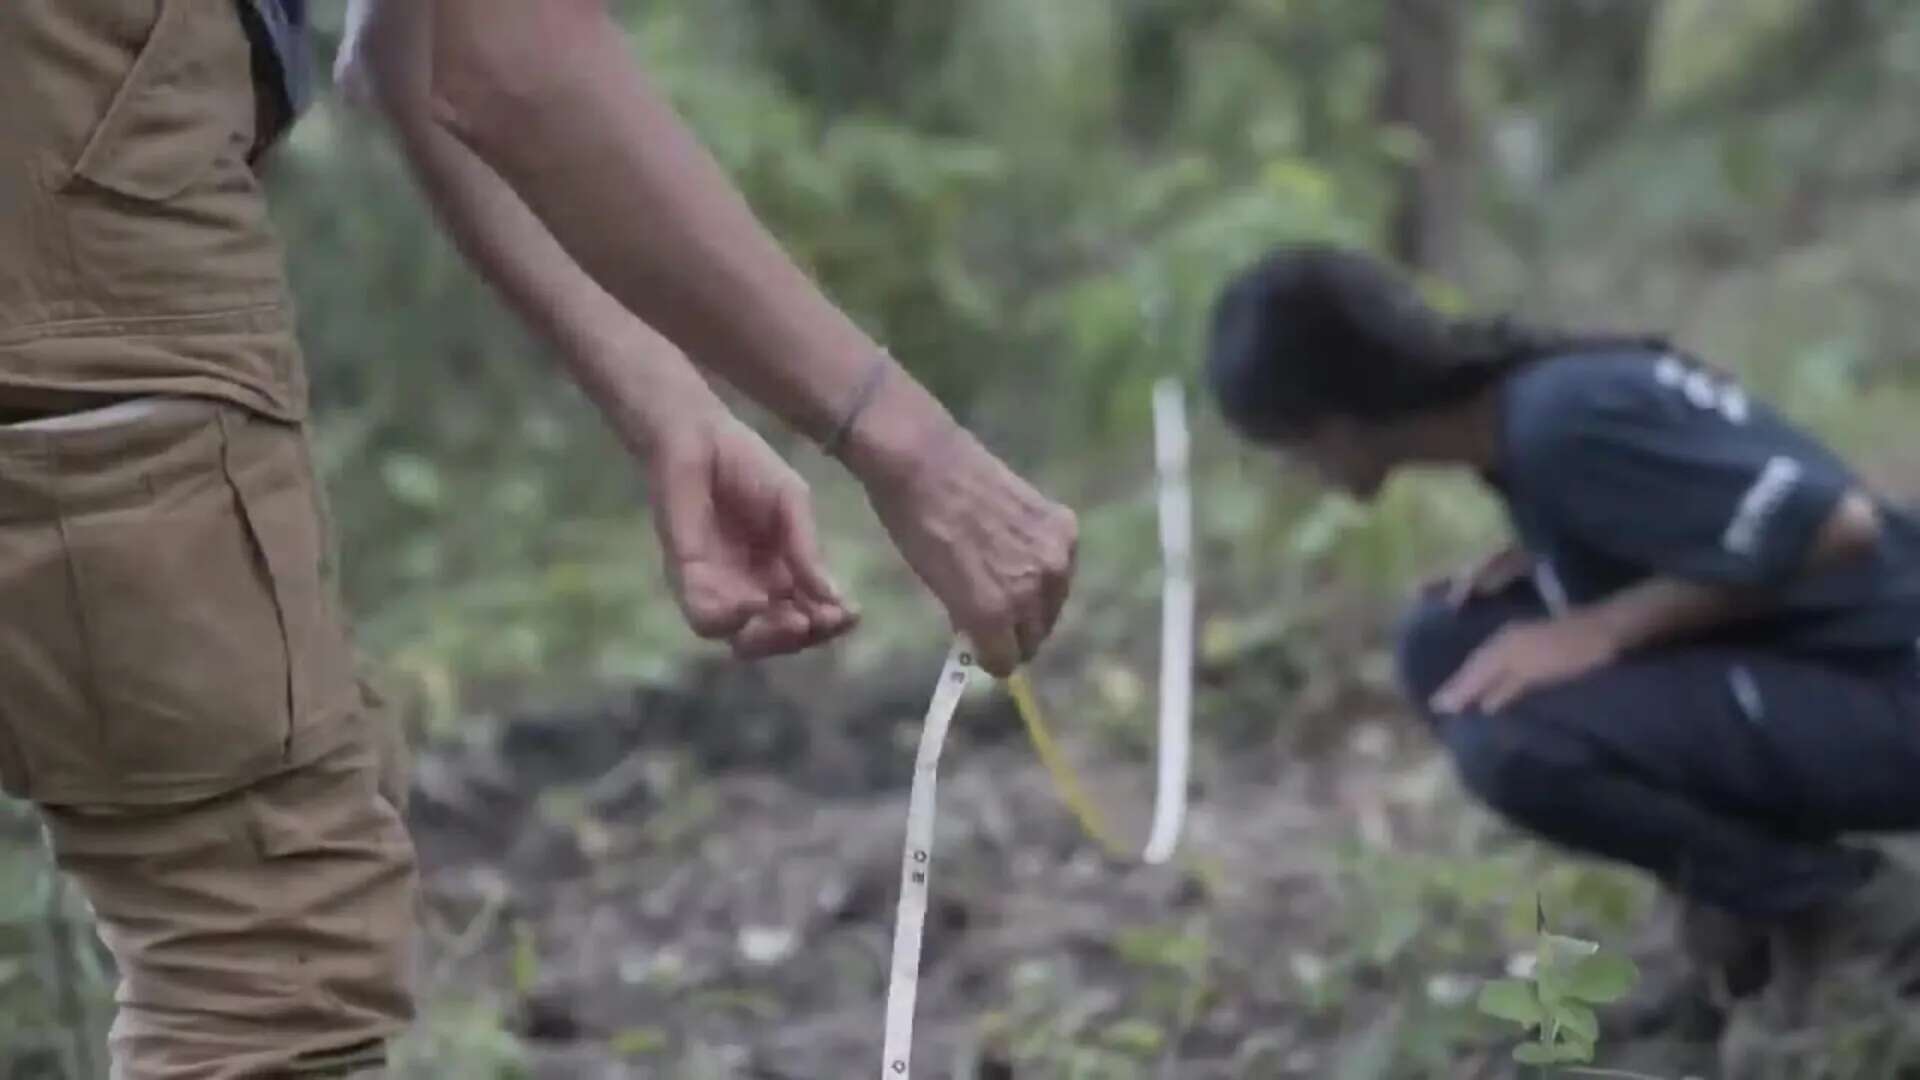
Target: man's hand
[
  {"x": 737, "y": 530},
  {"x": 996, "y": 552},
  {"x": 1488, "y": 576},
  {"x": 1525, "y": 657}
]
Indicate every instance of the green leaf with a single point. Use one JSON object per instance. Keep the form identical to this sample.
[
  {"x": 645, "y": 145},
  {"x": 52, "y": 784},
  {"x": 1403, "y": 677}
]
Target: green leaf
[
  {"x": 1400, "y": 924},
  {"x": 1601, "y": 979},
  {"x": 1520, "y": 918},
  {"x": 414, "y": 480},
  {"x": 1513, "y": 1000},
  {"x": 1560, "y": 947},
  {"x": 526, "y": 958},
  {"x": 1699, "y": 46},
  {"x": 1572, "y": 1052},
  {"x": 1374, "y": 1056},
  {"x": 1322, "y": 529},
  {"x": 1135, "y": 1037},
  {"x": 638, "y": 1042},
  {"x": 1534, "y": 1053},
  {"x": 1173, "y": 949},
  {"x": 1577, "y": 1021}
]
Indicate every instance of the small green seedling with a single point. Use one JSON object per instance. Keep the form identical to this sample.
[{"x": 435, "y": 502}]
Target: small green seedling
[{"x": 1554, "y": 1005}]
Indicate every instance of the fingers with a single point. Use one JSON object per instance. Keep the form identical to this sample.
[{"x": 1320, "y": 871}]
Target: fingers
[
  {"x": 802, "y": 542},
  {"x": 1056, "y": 580},
  {"x": 792, "y": 622},
  {"x": 815, "y": 592},
  {"x": 1040, "y": 597},
  {"x": 717, "y": 604},
  {"x": 716, "y": 599},
  {"x": 826, "y": 620},
  {"x": 797, "y": 615},
  {"x": 1468, "y": 688},
  {"x": 1511, "y": 687},
  {"x": 779, "y": 630},
  {"x": 807, "y": 606},
  {"x": 999, "y": 647},
  {"x": 841, "y": 622},
  {"x": 742, "y": 552},
  {"x": 1027, "y": 637},
  {"x": 1500, "y": 673},
  {"x": 790, "y": 627},
  {"x": 1454, "y": 696},
  {"x": 1022, "y": 622}
]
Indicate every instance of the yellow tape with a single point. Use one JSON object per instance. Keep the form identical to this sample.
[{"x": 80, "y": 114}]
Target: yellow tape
[
  {"x": 1066, "y": 782},
  {"x": 1064, "y": 779}
]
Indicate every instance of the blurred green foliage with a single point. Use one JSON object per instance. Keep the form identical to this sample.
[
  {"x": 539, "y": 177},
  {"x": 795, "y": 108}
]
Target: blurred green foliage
[{"x": 1033, "y": 204}]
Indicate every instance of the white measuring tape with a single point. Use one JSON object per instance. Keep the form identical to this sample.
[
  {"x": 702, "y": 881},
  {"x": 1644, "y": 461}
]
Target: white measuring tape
[
  {"x": 1176, "y": 619},
  {"x": 916, "y": 866},
  {"x": 1176, "y": 712}
]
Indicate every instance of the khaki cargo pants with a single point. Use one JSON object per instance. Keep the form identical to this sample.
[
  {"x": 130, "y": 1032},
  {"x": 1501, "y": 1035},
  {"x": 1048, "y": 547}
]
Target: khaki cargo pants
[
  {"x": 176, "y": 693},
  {"x": 176, "y": 684}
]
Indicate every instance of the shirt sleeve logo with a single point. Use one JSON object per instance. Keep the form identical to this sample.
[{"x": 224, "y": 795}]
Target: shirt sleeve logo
[
  {"x": 1553, "y": 593},
  {"x": 1759, "y": 504},
  {"x": 1703, "y": 390}
]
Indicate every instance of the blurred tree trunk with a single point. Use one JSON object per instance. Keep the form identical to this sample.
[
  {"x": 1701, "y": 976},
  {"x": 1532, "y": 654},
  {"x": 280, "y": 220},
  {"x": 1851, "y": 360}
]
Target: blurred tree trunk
[
  {"x": 1425, "y": 44},
  {"x": 1591, "y": 57}
]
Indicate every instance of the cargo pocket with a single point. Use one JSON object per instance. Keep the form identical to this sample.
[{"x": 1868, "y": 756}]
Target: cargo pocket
[
  {"x": 189, "y": 661},
  {"x": 160, "y": 131},
  {"x": 49, "y": 730},
  {"x": 163, "y": 214},
  {"x": 269, "y": 466},
  {"x": 198, "y": 603}
]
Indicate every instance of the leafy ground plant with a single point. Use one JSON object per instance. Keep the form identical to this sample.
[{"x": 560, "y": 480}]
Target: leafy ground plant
[{"x": 1554, "y": 1003}]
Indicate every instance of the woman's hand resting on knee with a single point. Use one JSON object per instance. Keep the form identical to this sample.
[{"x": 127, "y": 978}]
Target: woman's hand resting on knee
[{"x": 1527, "y": 656}]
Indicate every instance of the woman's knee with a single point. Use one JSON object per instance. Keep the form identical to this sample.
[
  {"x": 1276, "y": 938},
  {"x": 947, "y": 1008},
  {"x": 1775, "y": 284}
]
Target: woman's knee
[
  {"x": 1502, "y": 762},
  {"x": 1430, "y": 644},
  {"x": 1436, "y": 635}
]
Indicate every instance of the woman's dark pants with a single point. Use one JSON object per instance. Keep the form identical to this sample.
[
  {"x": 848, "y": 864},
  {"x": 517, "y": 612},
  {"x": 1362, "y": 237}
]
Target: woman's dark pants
[{"x": 1729, "y": 772}]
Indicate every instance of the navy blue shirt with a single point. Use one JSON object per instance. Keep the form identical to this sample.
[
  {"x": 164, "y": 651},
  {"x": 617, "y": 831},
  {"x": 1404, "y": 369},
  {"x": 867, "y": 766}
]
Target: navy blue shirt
[{"x": 1617, "y": 467}]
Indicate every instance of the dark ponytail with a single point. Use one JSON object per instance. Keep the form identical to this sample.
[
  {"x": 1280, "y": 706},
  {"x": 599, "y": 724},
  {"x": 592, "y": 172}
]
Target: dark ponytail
[{"x": 1313, "y": 332}]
